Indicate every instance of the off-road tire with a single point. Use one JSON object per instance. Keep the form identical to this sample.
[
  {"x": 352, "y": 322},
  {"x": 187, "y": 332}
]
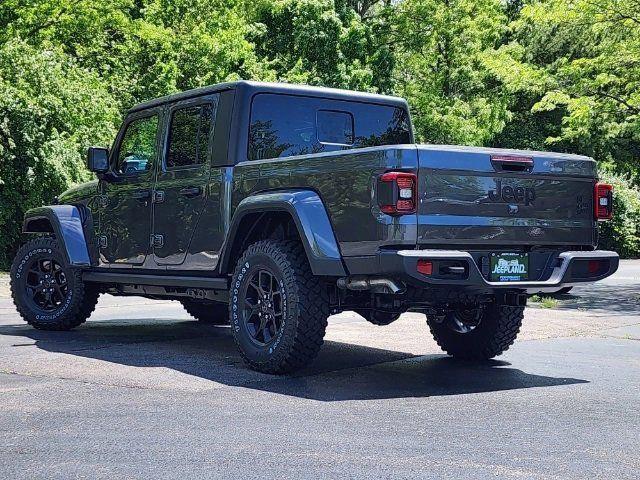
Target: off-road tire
[
  {"x": 304, "y": 303},
  {"x": 378, "y": 317},
  {"x": 211, "y": 313},
  {"x": 496, "y": 332},
  {"x": 79, "y": 302}
]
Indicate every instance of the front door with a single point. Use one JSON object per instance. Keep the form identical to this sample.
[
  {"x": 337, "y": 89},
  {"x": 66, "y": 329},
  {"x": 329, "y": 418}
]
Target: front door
[
  {"x": 125, "y": 219},
  {"x": 181, "y": 187}
]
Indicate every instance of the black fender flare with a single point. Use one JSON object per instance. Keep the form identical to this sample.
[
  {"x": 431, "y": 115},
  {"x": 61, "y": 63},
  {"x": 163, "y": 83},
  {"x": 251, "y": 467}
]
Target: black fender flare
[
  {"x": 66, "y": 223},
  {"x": 311, "y": 220}
]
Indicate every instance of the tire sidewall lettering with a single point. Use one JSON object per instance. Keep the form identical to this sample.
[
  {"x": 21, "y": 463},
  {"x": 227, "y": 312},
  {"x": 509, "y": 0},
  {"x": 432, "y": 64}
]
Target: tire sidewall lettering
[
  {"x": 285, "y": 315},
  {"x": 235, "y": 316},
  {"x": 59, "y": 312},
  {"x": 19, "y": 275},
  {"x": 236, "y": 297}
]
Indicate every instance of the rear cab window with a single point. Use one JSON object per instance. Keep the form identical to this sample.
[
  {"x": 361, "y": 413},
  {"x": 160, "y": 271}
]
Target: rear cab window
[
  {"x": 189, "y": 132},
  {"x": 335, "y": 128},
  {"x": 288, "y": 125}
]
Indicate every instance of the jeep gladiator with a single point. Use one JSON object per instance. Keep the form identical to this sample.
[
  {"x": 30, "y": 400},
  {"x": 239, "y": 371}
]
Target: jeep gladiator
[{"x": 270, "y": 207}]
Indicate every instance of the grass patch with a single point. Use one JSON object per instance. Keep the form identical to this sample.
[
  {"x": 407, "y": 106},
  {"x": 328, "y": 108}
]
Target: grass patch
[{"x": 544, "y": 302}]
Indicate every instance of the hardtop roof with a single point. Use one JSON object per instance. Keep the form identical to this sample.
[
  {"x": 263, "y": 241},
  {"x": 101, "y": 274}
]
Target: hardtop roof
[{"x": 251, "y": 88}]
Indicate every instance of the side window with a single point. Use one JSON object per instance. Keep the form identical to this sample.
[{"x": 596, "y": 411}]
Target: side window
[
  {"x": 137, "y": 152},
  {"x": 281, "y": 126},
  {"x": 335, "y": 127},
  {"x": 288, "y": 125},
  {"x": 189, "y": 136},
  {"x": 380, "y": 125}
]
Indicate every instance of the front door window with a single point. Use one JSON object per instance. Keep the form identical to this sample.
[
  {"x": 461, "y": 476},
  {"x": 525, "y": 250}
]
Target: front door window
[{"x": 137, "y": 153}]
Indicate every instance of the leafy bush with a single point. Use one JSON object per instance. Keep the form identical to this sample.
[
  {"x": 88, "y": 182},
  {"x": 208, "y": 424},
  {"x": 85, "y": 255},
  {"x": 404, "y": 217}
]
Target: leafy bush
[
  {"x": 50, "y": 110},
  {"x": 622, "y": 234}
]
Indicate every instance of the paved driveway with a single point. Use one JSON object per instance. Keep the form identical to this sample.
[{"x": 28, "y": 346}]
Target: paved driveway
[{"x": 142, "y": 391}]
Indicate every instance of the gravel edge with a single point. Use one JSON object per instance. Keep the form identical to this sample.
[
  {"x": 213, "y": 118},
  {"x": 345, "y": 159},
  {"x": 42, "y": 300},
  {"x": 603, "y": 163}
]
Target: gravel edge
[{"x": 4, "y": 285}]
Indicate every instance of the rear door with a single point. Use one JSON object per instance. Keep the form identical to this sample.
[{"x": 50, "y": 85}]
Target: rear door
[
  {"x": 181, "y": 186},
  {"x": 488, "y": 197}
]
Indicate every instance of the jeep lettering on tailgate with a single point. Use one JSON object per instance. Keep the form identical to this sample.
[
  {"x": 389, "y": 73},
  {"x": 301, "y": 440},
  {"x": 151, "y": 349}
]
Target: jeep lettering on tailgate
[{"x": 511, "y": 194}]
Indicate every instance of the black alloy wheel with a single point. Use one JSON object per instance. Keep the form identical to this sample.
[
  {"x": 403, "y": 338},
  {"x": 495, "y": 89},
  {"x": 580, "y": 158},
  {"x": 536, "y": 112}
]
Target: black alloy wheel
[
  {"x": 277, "y": 308},
  {"x": 46, "y": 284},
  {"x": 464, "y": 320},
  {"x": 48, "y": 293},
  {"x": 263, "y": 311},
  {"x": 477, "y": 332}
]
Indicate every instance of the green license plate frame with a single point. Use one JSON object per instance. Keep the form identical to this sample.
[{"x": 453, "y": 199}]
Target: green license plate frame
[{"x": 508, "y": 267}]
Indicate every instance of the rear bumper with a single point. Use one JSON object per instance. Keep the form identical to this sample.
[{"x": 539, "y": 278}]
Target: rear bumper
[{"x": 569, "y": 268}]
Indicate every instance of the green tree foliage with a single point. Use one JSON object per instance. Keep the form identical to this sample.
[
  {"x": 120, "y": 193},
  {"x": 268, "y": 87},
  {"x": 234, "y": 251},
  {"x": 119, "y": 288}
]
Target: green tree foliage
[
  {"x": 441, "y": 68},
  {"x": 69, "y": 68},
  {"x": 322, "y": 42},
  {"x": 622, "y": 233},
  {"x": 50, "y": 110},
  {"x": 541, "y": 74},
  {"x": 573, "y": 69},
  {"x": 143, "y": 48}
]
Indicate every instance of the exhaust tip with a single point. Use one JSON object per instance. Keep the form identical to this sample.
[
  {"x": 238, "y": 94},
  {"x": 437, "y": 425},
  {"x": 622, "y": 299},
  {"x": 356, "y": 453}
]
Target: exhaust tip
[{"x": 375, "y": 284}]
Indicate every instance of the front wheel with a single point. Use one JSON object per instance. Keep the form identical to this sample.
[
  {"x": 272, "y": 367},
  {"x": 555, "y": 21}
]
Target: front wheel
[
  {"x": 477, "y": 333},
  {"x": 48, "y": 294},
  {"x": 278, "y": 309}
]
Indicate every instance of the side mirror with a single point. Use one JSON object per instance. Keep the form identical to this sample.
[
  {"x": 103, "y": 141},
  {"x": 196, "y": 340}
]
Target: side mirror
[{"x": 98, "y": 159}]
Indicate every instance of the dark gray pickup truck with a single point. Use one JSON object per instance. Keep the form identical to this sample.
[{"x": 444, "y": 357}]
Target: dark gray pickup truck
[{"x": 272, "y": 206}]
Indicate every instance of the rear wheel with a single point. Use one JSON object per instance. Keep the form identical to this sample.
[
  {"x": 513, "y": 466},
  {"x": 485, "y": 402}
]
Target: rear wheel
[
  {"x": 278, "y": 309},
  {"x": 212, "y": 313},
  {"x": 48, "y": 294},
  {"x": 477, "y": 333}
]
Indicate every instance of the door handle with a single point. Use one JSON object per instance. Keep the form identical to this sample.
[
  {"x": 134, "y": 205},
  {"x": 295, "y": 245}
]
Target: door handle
[
  {"x": 191, "y": 192},
  {"x": 141, "y": 194}
]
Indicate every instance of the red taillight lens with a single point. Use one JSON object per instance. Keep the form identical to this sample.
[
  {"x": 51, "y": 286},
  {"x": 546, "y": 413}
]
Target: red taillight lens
[
  {"x": 397, "y": 193},
  {"x": 425, "y": 267},
  {"x": 603, "y": 201}
]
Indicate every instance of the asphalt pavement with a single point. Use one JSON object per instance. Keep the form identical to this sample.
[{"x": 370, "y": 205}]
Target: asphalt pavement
[{"x": 143, "y": 391}]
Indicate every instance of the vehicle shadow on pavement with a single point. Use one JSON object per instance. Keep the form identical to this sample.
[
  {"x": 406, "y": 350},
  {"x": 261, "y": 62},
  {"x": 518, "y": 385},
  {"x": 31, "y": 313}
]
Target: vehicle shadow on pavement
[
  {"x": 614, "y": 299},
  {"x": 341, "y": 372}
]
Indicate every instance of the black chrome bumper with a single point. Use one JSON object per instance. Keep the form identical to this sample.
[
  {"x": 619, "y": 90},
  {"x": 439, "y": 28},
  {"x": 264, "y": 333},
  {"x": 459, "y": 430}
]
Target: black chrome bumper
[{"x": 568, "y": 268}]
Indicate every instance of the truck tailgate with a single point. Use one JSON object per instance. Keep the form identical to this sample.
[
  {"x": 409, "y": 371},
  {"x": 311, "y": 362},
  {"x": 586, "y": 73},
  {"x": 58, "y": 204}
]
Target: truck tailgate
[{"x": 482, "y": 197}]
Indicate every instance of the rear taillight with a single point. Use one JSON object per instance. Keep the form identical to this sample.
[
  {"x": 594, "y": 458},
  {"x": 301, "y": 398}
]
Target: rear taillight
[
  {"x": 425, "y": 267},
  {"x": 397, "y": 193},
  {"x": 603, "y": 201},
  {"x": 593, "y": 266}
]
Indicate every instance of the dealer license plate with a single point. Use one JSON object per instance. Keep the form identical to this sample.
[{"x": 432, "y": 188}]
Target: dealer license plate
[{"x": 509, "y": 267}]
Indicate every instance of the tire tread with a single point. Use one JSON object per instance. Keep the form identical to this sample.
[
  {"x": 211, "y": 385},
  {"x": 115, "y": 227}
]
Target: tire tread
[
  {"x": 485, "y": 343},
  {"x": 311, "y": 303},
  {"x": 212, "y": 313},
  {"x": 79, "y": 311}
]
